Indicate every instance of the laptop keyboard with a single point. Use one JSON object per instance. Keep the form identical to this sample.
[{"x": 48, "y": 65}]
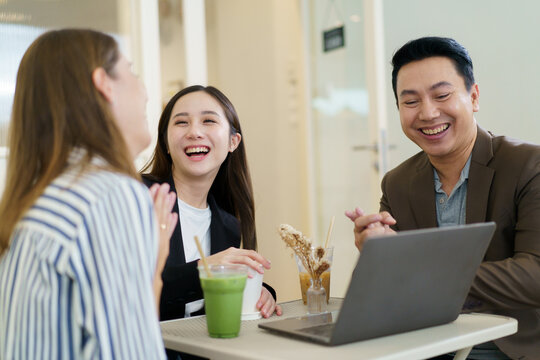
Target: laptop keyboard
[{"x": 324, "y": 330}]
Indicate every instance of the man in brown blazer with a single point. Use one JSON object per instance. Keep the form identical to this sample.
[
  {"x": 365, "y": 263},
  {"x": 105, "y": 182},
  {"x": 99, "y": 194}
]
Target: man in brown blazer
[{"x": 465, "y": 174}]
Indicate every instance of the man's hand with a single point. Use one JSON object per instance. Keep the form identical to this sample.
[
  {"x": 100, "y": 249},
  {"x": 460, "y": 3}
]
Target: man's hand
[{"x": 369, "y": 225}]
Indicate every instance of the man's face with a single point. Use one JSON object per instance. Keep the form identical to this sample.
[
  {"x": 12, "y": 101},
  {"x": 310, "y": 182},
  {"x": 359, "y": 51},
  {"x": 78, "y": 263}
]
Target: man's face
[{"x": 435, "y": 108}]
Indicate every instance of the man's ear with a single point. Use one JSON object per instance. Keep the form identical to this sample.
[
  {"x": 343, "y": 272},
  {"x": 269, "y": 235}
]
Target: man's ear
[
  {"x": 475, "y": 97},
  {"x": 235, "y": 141},
  {"x": 102, "y": 82}
]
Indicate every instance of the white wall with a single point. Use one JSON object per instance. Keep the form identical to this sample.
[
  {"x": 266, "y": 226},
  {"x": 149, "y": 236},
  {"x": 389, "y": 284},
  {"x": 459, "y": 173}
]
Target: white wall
[{"x": 502, "y": 38}]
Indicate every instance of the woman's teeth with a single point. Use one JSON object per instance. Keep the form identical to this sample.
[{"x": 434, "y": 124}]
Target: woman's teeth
[{"x": 197, "y": 150}]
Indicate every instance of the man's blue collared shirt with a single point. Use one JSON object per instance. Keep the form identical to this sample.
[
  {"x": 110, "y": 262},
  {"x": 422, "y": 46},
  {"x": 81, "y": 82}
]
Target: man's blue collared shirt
[{"x": 451, "y": 210}]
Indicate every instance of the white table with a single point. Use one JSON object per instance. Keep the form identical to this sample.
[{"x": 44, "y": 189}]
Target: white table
[{"x": 191, "y": 336}]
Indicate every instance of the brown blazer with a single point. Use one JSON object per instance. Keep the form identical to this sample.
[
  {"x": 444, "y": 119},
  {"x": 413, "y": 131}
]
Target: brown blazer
[{"x": 503, "y": 186}]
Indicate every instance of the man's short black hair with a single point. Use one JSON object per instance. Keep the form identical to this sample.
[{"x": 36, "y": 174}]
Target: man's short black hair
[{"x": 426, "y": 47}]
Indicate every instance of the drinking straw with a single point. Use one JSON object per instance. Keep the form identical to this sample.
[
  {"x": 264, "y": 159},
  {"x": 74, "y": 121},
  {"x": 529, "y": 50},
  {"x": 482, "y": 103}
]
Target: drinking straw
[
  {"x": 329, "y": 231},
  {"x": 203, "y": 258}
]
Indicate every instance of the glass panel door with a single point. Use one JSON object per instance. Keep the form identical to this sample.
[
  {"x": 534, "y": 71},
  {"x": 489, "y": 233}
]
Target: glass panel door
[{"x": 344, "y": 142}]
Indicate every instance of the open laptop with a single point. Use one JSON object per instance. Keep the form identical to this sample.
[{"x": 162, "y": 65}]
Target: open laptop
[{"x": 411, "y": 280}]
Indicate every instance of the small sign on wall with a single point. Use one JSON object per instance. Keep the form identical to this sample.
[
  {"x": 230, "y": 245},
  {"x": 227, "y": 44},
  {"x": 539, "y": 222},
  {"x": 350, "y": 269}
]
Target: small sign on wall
[{"x": 333, "y": 38}]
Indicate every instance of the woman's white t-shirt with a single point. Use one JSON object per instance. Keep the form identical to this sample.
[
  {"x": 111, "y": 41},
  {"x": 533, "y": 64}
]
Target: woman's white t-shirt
[{"x": 194, "y": 221}]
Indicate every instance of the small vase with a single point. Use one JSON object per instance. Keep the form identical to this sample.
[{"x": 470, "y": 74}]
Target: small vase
[{"x": 316, "y": 297}]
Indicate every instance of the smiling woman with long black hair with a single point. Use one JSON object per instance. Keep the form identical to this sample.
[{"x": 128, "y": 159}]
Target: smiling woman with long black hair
[{"x": 201, "y": 155}]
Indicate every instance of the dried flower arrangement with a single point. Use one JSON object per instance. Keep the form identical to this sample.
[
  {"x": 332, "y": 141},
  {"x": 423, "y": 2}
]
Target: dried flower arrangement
[{"x": 312, "y": 258}]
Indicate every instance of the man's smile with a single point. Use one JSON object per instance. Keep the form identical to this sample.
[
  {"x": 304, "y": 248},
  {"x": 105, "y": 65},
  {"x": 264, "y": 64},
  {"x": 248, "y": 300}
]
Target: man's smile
[{"x": 435, "y": 130}]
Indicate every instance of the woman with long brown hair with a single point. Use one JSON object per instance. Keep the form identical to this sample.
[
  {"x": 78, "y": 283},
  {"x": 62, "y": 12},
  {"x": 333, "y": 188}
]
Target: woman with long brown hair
[
  {"x": 77, "y": 225},
  {"x": 201, "y": 155}
]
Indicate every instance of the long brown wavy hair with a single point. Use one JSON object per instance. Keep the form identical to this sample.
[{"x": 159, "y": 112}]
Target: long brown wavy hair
[
  {"x": 57, "y": 108},
  {"x": 232, "y": 187}
]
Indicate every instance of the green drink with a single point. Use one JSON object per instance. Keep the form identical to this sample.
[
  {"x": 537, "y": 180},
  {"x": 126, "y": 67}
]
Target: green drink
[{"x": 223, "y": 298}]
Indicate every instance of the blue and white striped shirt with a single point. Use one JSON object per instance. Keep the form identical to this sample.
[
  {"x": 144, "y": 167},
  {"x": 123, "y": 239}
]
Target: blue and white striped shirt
[{"x": 76, "y": 282}]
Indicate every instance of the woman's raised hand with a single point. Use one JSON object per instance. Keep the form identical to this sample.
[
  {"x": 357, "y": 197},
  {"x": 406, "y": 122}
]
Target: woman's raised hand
[{"x": 163, "y": 205}]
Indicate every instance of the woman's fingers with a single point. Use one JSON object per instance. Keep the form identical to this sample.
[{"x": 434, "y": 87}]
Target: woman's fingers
[
  {"x": 255, "y": 257},
  {"x": 262, "y": 298},
  {"x": 163, "y": 204},
  {"x": 246, "y": 260},
  {"x": 248, "y": 257},
  {"x": 240, "y": 256},
  {"x": 153, "y": 189},
  {"x": 173, "y": 218},
  {"x": 161, "y": 193},
  {"x": 266, "y": 303},
  {"x": 166, "y": 221},
  {"x": 267, "y": 309}
]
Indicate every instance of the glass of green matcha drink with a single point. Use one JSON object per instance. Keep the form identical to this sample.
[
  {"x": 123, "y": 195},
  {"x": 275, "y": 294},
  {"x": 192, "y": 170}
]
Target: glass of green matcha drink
[{"x": 223, "y": 288}]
